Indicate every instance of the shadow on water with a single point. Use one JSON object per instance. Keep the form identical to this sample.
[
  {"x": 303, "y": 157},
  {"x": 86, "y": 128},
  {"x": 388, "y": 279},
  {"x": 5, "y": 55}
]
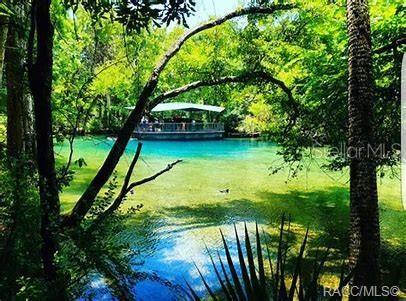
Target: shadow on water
[
  {"x": 321, "y": 210},
  {"x": 325, "y": 212},
  {"x": 168, "y": 243}
]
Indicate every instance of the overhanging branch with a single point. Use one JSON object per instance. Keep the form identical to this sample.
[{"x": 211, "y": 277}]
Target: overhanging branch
[
  {"x": 238, "y": 13},
  {"x": 87, "y": 199},
  {"x": 128, "y": 187},
  {"x": 153, "y": 177},
  {"x": 247, "y": 77},
  {"x": 393, "y": 45}
]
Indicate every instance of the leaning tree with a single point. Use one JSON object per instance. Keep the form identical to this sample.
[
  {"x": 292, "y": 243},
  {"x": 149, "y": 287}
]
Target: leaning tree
[{"x": 40, "y": 62}]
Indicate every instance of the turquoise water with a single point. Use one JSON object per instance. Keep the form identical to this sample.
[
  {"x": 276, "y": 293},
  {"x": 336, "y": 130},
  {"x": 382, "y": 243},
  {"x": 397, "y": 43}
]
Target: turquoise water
[
  {"x": 185, "y": 208},
  {"x": 203, "y": 149},
  {"x": 226, "y": 148}
]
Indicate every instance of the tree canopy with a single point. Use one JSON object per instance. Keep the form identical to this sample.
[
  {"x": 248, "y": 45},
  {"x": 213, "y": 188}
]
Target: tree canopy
[{"x": 306, "y": 49}]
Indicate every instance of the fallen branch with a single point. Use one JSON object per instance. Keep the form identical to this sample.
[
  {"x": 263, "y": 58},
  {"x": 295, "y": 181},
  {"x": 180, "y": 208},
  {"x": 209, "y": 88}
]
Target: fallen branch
[
  {"x": 117, "y": 202},
  {"x": 151, "y": 178},
  {"x": 127, "y": 187},
  {"x": 86, "y": 201}
]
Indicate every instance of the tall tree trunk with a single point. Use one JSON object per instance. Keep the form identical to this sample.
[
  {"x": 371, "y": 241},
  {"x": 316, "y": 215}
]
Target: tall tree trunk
[
  {"x": 15, "y": 90},
  {"x": 40, "y": 79},
  {"x": 364, "y": 212},
  {"x": 28, "y": 124},
  {"x": 14, "y": 71},
  {"x": 19, "y": 102},
  {"x": 3, "y": 38}
]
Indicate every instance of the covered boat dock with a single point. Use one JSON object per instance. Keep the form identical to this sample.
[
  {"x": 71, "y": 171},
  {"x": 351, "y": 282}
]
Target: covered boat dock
[{"x": 180, "y": 128}]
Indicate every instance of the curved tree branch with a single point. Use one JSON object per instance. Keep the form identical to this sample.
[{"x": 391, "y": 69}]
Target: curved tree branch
[
  {"x": 392, "y": 45},
  {"x": 153, "y": 177},
  {"x": 117, "y": 202},
  {"x": 238, "y": 13},
  {"x": 127, "y": 187},
  {"x": 242, "y": 78},
  {"x": 87, "y": 199}
]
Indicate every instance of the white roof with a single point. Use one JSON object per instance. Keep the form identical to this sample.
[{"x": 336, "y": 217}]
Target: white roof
[{"x": 171, "y": 106}]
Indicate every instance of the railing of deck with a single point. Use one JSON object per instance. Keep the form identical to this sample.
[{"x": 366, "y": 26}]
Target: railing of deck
[{"x": 181, "y": 127}]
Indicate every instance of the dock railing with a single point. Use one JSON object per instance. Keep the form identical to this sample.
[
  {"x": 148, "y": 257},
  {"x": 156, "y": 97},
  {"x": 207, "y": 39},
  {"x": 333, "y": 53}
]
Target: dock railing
[{"x": 169, "y": 127}]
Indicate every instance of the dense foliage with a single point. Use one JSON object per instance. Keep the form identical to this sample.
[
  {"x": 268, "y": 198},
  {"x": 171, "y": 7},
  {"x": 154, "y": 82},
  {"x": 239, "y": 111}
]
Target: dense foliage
[{"x": 100, "y": 69}]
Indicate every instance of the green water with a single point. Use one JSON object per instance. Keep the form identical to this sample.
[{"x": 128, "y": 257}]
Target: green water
[{"x": 184, "y": 208}]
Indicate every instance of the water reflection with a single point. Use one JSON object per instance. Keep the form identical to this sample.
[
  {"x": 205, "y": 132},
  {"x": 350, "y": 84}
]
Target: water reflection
[
  {"x": 167, "y": 256},
  {"x": 177, "y": 253}
]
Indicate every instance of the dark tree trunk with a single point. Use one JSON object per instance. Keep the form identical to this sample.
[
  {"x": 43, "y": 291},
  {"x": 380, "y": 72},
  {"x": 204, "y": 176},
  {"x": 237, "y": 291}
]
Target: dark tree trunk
[
  {"x": 19, "y": 103},
  {"x": 40, "y": 79},
  {"x": 15, "y": 91},
  {"x": 364, "y": 212}
]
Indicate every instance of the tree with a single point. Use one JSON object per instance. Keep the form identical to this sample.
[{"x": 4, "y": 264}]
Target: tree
[
  {"x": 283, "y": 52},
  {"x": 40, "y": 70},
  {"x": 19, "y": 103},
  {"x": 310, "y": 56},
  {"x": 40, "y": 79},
  {"x": 364, "y": 212}
]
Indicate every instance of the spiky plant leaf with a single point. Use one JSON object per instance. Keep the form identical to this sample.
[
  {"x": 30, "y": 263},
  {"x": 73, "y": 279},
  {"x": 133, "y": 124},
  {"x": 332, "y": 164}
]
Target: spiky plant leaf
[
  {"x": 227, "y": 279},
  {"x": 279, "y": 259},
  {"x": 206, "y": 285},
  {"x": 222, "y": 285},
  {"x": 256, "y": 290},
  {"x": 318, "y": 266},
  {"x": 297, "y": 268},
  {"x": 261, "y": 269},
  {"x": 192, "y": 292},
  {"x": 243, "y": 267},
  {"x": 234, "y": 275},
  {"x": 273, "y": 280}
]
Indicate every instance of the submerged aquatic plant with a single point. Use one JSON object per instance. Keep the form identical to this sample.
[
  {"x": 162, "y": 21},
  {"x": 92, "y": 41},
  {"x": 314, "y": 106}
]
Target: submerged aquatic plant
[{"x": 261, "y": 278}]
